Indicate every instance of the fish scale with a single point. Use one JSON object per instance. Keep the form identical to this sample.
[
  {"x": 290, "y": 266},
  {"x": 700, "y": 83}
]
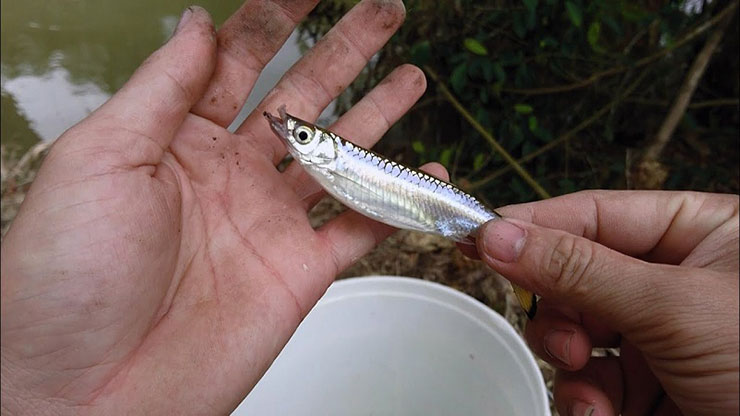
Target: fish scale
[
  {"x": 422, "y": 202},
  {"x": 385, "y": 190}
]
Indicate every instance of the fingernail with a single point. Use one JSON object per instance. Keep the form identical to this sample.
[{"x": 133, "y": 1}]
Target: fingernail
[
  {"x": 582, "y": 409},
  {"x": 503, "y": 240},
  {"x": 186, "y": 15},
  {"x": 557, "y": 345}
]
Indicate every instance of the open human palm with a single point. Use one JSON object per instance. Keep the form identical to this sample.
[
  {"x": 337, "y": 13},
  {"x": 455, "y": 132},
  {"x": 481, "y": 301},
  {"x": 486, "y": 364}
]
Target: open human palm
[{"x": 157, "y": 250}]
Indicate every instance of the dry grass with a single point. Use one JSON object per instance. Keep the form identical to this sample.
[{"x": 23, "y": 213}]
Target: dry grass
[{"x": 17, "y": 171}]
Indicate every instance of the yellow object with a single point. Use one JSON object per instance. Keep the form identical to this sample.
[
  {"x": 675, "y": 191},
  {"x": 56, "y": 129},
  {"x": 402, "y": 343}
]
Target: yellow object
[{"x": 527, "y": 299}]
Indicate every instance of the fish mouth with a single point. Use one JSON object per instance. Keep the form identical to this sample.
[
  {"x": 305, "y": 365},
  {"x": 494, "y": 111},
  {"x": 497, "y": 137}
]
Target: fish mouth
[{"x": 279, "y": 124}]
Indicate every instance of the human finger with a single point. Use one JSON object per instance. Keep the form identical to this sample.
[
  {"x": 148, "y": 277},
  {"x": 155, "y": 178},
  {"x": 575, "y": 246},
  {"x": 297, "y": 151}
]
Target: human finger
[
  {"x": 545, "y": 334},
  {"x": 658, "y": 226},
  {"x": 351, "y": 235},
  {"x": 558, "y": 339},
  {"x": 468, "y": 250},
  {"x": 626, "y": 293},
  {"x": 594, "y": 390},
  {"x": 326, "y": 70},
  {"x": 366, "y": 122},
  {"x": 150, "y": 107},
  {"x": 246, "y": 43}
]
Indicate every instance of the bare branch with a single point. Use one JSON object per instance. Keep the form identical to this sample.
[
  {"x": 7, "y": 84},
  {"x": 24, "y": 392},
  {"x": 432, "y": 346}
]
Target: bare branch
[
  {"x": 488, "y": 136},
  {"x": 678, "y": 109}
]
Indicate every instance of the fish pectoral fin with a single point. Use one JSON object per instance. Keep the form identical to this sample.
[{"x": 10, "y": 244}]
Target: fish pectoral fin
[
  {"x": 357, "y": 202},
  {"x": 359, "y": 184}
]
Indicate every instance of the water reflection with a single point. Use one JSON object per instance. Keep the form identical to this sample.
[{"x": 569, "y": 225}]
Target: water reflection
[
  {"x": 60, "y": 60},
  {"x": 51, "y": 102}
]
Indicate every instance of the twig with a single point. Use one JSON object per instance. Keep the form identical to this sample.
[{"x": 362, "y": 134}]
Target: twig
[
  {"x": 488, "y": 136},
  {"x": 683, "y": 98},
  {"x": 456, "y": 159},
  {"x": 716, "y": 103},
  {"x": 719, "y": 102},
  {"x": 642, "y": 62},
  {"x": 564, "y": 137}
]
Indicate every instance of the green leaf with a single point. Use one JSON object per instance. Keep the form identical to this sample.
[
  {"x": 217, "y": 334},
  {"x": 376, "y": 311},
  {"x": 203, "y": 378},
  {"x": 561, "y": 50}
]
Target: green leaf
[
  {"x": 530, "y": 4},
  {"x": 421, "y": 52},
  {"x": 594, "y": 30},
  {"x": 483, "y": 96},
  {"x": 517, "y": 136},
  {"x": 478, "y": 161},
  {"x": 542, "y": 134},
  {"x": 482, "y": 116},
  {"x": 475, "y": 68},
  {"x": 519, "y": 25},
  {"x": 499, "y": 72},
  {"x": 445, "y": 157},
  {"x": 459, "y": 77},
  {"x": 523, "y": 108},
  {"x": 548, "y": 41},
  {"x": 574, "y": 13},
  {"x": 533, "y": 124},
  {"x": 418, "y": 146},
  {"x": 531, "y": 19},
  {"x": 475, "y": 47},
  {"x": 613, "y": 24},
  {"x": 488, "y": 70}
]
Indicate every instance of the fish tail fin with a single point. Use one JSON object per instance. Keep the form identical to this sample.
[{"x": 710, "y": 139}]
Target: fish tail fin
[{"x": 527, "y": 300}]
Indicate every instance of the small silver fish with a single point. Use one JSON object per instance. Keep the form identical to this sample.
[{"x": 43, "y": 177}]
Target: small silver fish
[{"x": 384, "y": 190}]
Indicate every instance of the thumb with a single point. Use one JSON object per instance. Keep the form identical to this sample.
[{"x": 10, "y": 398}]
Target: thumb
[
  {"x": 157, "y": 97},
  {"x": 576, "y": 271}
]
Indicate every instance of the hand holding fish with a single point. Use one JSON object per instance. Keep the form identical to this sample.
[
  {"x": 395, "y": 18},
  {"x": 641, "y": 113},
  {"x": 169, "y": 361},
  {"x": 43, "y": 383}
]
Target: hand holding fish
[{"x": 654, "y": 273}]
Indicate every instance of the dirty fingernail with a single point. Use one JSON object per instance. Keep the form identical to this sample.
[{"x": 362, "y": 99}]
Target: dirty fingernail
[
  {"x": 184, "y": 19},
  {"x": 580, "y": 408},
  {"x": 503, "y": 240},
  {"x": 557, "y": 345}
]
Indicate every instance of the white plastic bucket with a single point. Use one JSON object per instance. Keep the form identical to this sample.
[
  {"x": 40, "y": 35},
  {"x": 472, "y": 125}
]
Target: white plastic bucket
[{"x": 399, "y": 346}]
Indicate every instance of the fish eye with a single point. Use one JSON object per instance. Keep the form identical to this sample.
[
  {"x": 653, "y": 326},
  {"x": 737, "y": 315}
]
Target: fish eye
[{"x": 303, "y": 135}]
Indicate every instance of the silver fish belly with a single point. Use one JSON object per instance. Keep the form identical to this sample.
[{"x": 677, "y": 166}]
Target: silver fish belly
[
  {"x": 378, "y": 187},
  {"x": 400, "y": 196}
]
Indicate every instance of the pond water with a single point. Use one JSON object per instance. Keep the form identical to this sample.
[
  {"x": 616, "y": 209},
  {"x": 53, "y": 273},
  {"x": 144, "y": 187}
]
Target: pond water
[{"x": 61, "y": 60}]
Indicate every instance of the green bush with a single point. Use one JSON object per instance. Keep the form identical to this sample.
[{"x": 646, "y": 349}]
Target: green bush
[{"x": 582, "y": 85}]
